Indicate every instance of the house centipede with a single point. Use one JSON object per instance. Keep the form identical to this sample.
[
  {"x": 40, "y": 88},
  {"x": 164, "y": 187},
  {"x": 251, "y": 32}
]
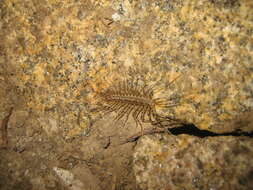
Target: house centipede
[{"x": 128, "y": 97}]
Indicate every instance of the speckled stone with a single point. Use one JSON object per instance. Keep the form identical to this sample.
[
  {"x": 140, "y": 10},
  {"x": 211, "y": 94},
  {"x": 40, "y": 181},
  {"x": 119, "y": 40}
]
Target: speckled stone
[
  {"x": 165, "y": 162},
  {"x": 51, "y": 51},
  {"x": 54, "y": 53}
]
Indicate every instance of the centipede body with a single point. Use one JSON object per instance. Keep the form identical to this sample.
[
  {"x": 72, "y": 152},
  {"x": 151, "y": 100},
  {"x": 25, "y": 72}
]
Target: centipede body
[{"x": 131, "y": 98}]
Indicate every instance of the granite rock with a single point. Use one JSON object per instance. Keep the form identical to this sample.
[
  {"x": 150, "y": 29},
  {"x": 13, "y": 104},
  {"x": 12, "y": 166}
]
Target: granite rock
[
  {"x": 51, "y": 50},
  {"x": 164, "y": 162},
  {"x": 53, "y": 53}
]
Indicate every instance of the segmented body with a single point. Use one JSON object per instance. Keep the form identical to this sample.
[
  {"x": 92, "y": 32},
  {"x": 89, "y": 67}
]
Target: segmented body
[{"x": 131, "y": 100}]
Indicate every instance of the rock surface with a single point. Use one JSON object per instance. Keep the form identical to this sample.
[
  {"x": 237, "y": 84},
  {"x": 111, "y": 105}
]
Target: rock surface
[
  {"x": 164, "y": 162},
  {"x": 53, "y": 53},
  {"x": 50, "y": 50}
]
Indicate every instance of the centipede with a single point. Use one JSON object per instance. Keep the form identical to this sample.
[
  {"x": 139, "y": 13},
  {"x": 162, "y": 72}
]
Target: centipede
[{"x": 131, "y": 97}]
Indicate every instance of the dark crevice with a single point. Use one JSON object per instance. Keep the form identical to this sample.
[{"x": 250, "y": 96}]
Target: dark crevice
[
  {"x": 191, "y": 129},
  {"x": 187, "y": 129}
]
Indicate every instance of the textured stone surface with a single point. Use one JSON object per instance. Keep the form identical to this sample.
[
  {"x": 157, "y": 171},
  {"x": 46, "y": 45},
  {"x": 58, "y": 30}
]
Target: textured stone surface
[
  {"x": 50, "y": 49},
  {"x": 183, "y": 162},
  {"x": 37, "y": 158},
  {"x": 53, "y": 53}
]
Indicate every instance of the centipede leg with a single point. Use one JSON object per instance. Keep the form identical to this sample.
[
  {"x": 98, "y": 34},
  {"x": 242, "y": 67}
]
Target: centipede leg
[
  {"x": 144, "y": 113},
  {"x": 128, "y": 113},
  {"x": 136, "y": 118},
  {"x": 121, "y": 112},
  {"x": 150, "y": 115},
  {"x": 134, "y": 115},
  {"x": 113, "y": 108}
]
